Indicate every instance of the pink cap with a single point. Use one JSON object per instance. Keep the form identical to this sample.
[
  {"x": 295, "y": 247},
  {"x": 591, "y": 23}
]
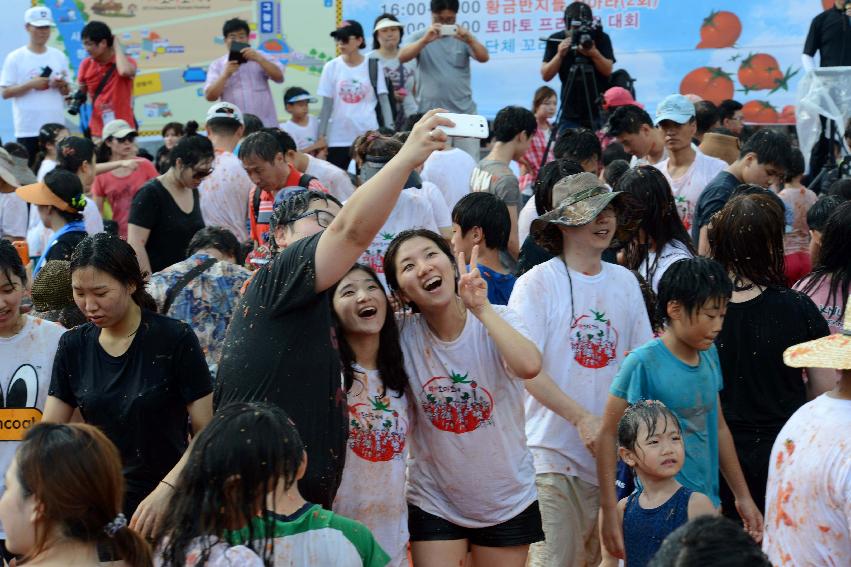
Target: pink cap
[{"x": 619, "y": 96}]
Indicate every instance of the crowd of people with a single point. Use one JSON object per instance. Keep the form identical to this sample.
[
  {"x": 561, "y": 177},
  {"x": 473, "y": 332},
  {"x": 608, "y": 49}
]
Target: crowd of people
[{"x": 351, "y": 339}]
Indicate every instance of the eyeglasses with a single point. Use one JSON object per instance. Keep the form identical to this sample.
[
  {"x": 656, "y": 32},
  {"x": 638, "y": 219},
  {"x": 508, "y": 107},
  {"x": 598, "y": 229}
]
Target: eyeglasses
[
  {"x": 323, "y": 217},
  {"x": 196, "y": 175}
]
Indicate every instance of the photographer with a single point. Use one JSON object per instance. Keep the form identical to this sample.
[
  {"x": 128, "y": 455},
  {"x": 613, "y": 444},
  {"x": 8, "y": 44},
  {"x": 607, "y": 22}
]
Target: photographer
[
  {"x": 561, "y": 55},
  {"x": 830, "y": 36},
  {"x": 106, "y": 78}
]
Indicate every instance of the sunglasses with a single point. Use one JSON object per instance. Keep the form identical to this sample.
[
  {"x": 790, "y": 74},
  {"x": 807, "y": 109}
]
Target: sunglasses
[
  {"x": 198, "y": 175},
  {"x": 129, "y": 139},
  {"x": 323, "y": 218}
]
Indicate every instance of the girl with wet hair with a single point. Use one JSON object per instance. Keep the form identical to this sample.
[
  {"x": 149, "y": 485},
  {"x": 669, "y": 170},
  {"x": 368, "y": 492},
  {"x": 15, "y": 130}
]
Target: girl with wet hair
[{"x": 471, "y": 480}]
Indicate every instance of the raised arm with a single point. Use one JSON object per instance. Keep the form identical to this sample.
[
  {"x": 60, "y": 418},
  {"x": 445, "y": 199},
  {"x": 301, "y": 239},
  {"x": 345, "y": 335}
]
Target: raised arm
[
  {"x": 412, "y": 50},
  {"x": 123, "y": 65},
  {"x": 366, "y": 211},
  {"x": 478, "y": 51}
]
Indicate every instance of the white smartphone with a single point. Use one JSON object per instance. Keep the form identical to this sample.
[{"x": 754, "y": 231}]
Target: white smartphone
[
  {"x": 448, "y": 29},
  {"x": 466, "y": 125}
]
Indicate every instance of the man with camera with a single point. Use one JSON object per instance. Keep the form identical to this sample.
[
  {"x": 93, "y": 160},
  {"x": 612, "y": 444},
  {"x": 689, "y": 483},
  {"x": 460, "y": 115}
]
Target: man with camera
[
  {"x": 581, "y": 45},
  {"x": 106, "y": 79},
  {"x": 35, "y": 78}
]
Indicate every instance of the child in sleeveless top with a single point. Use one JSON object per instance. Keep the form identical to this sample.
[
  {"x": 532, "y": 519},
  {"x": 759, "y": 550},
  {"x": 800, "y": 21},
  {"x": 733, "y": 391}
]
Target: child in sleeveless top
[{"x": 650, "y": 441}]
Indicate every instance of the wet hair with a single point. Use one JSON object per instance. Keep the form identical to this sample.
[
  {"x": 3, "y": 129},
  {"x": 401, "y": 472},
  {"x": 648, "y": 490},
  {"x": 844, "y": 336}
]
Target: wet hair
[
  {"x": 191, "y": 149},
  {"x": 97, "y": 32},
  {"x": 386, "y": 16},
  {"x": 542, "y": 94},
  {"x": 706, "y": 115},
  {"x": 821, "y": 210},
  {"x": 390, "y": 360},
  {"x": 727, "y": 109},
  {"x": 770, "y": 147},
  {"x": 10, "y": 262},
  {"x": 218, "y": 238},
  {"x": 242, "y": 455},
  {"x": 578, "y": 11},
  {"x": 488, "y": 212},
  {"x": 294, "y": 205},
  {"x": 393, "y": 251},
  {"x": 250, "y": 123},
  {"x": 551, "y": 173},
  {"x": 709, "y": 540},
  {"x": 578, "y": 144},
  {"x": 834, "y": 261},
  {"x": 795, "y": 167},
  {"x": 178, "y": 129},
  {"x": 438, "y": 6},
  {"x": 68, "y": 187},
  {"x": 511, "y": 121},
  {"x": 841, "y": 188},
  {"x": 614, "y": 151},
  {"x": 74, "y": 472},
  {"x": 746, "y": 237},
  {"x": 614, "y": 171},
  {"x": 627, "y": 120},
  {"x": 235, "y": 25},
  {"x": 113, "y": 256},
  {"x": 46, "y": 136},
  {"x": 72, "y": 152},
  {"x": 692, "y": 282},
  {"x": 659, "y": 218},
  {"x": 262, "y": 145},
  {"x": 646, "y": 412}
]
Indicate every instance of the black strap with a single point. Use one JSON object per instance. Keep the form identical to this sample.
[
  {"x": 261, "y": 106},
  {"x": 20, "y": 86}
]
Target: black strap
[
  {"x": 373, "y": 78},
  {"x": 102, "y": 84},
  {"x": 184, "y": 281},
  {"x": 303, "y": 181}
]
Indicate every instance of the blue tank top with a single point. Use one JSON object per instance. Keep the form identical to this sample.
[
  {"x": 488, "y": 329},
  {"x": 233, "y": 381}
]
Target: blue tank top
[{"x": 644, "y": 530}]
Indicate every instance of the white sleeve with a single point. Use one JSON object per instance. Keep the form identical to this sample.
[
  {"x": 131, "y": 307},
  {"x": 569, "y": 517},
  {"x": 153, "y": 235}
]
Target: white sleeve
[
  {"x": 326, "y": 80},
  {"x": 514, "y": 319},
  {"x": 808, "y": 63},
  {"x": 528, "y": 302},
  {"x": 442, "y": 215},
  {"x": 15, "y": 217},
  {"x": 9, "y": 76}
]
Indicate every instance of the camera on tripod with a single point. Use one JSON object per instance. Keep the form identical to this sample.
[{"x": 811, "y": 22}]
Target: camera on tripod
[
  {"x": 75, "y": 101},
  {"x": 582, "y": 33}
]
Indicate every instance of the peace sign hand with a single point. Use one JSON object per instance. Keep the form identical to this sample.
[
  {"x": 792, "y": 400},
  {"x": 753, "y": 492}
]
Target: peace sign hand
[{"x": 472, "y": 287}]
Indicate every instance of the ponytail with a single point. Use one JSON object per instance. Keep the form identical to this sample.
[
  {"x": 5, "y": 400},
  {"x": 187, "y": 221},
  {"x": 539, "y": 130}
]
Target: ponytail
[
  {"x": 103, "y": 153},
  {"x": 129, "y": 546},
  {"x": 191, "y": 129},
  {"x": 46, "y": 135}
]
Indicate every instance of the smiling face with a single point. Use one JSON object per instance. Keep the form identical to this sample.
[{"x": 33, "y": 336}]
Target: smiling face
[
  {"x": 678, "y": 136},
  {"x": 426, "y": 275},
  {"x": 171, "y": 138},
  {"x": 18, "y": 514},
  {"x": 660, "y": 455},
  {"x": 360, "y": 304},
  {"x": 101, "y": 298},
  {"x": 698, "y": 329},
  {"x": 596, "y": 235},
  {"x": 96, "y": 50},
  {"x": 12, "y": 291}
]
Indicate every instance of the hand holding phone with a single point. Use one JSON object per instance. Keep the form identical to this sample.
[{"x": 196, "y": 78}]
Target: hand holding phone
[
  {"x": 466, "y": 125},
  {"x": 46, "y": 71},
  {"x": 448, "y": 29},
  {"x": 235, "y": 53}
]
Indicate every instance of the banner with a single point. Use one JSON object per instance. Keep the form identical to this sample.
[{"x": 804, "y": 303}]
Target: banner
[{"x": 717, "y": 49}]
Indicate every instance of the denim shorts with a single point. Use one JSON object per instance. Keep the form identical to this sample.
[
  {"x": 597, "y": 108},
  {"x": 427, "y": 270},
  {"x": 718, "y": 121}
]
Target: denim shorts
[{"x": 523, "y": 529}]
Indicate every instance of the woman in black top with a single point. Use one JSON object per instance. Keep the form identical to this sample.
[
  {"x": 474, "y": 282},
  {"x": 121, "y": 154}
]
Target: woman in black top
[
  {"x": 764, "y": 317},
  {"x": 166, "y": 211},
  {"x": 138, "y": 376}
]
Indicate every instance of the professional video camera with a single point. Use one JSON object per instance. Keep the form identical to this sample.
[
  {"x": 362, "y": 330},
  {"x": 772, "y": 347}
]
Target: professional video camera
[
  {"x": 582, "y": 32},
  {"x": 75, "y": 101}
]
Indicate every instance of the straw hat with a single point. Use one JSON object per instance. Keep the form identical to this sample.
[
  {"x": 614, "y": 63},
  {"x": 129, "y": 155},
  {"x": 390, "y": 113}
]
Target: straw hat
[{"x": 833, "y": 351}]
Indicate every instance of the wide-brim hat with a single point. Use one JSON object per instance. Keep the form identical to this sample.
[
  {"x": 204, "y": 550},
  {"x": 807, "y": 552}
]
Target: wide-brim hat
[
  {"x": 52, "y": 286},
  {"x": 580, "y": 197},
  {"x": 14, "y": 170},
  {"x": 833, "y": 351},
  {"x": 40, "y": 194},
  {"x": 721, "y": 146}
]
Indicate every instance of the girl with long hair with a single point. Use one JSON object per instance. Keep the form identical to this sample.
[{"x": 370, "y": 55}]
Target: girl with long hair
[
  {"x": 373, "y": 487},
  {"x": 62, "y": 502},
  {"x": 662, "y": 238},
  {"x": 763, "y": 318},
  {"x": 137, "y": 375},
  {"x": 544, "y": 105},
  {"x": 471, "y": 480}
]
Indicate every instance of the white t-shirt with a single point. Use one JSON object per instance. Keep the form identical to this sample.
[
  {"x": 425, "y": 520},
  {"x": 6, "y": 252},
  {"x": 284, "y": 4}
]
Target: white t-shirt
[
  {"x": 38, "y": 235},
  {"x": 332, "y": 177},
  {"x": 524, "y": 220},
  {"x": 304, "y": 136},
  {"x": 224, "y": 195},
  {"x": 808, "y": 496},
  {"x": 221, "y": 554},
  {"x": 450, "y": 170},
  {"x": 13, "y": 215},
  {"x": 672, "y": 252},
  {"x": 47, "y": 165},
  {"x": 469, "y": 461},
  {"x": 688, "y": 187},
  {"x": 442, "y": 214},
  {"x": 26, "y": 365},
  {"x": 354, "y": 100},
  {"x": 35, "y": 108},
  {"x": 373, "y": 487},
  {"x": 582, "y": 351},
  {"x": 412, "y": 210}
]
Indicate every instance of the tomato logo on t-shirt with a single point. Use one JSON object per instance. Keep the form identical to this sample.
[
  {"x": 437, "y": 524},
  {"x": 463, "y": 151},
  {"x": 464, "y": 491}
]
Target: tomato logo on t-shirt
[
  {"x": 352, "y": 91},
  {"x": 374, "y": 255},
  {"x": 376, "y": 431},
  {"x": 456, "y": 403},
  {"x": 685, "y": 210},
  {"x": 594, "y": 340}
]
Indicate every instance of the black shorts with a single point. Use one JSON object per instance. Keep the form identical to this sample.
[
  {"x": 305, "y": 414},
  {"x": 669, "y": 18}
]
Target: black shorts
[{"x": 522, "y": 529}]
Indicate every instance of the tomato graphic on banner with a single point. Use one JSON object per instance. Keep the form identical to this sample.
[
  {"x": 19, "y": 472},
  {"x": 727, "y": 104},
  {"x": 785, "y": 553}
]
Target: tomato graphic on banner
[
  {"x": 377, "y": 432},
  {"x": 594, "y": 340},
  {"x": 456, "y": 403}
]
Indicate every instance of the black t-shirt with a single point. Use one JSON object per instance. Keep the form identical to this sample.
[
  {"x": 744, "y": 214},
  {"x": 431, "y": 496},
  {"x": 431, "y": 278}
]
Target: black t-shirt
[
  {"x": 171, "y": 229},
  {"x": 280, "y": 348},
  {"x": 712, "y": 199},
  {"x": 830, "y": 36},
  {"x": 137, "y": 399},
  {"x": 574, "y": 108},
  {"x": 760, "y": 391},
  {"x": 64, "y": 246}
]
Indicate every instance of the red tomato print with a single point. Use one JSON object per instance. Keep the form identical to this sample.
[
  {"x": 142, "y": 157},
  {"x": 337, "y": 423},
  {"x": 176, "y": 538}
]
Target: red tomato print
[
  {"x": 787, "y": 115},
  {"x": 760, "y": 71},
  {"x": 720, "y": 29},
  {"x": 709, "y": 83},
  {"x": 594, "y": 340},
  {"x": 456, "y": 403},
  {"x": 759, "y": 112},
  {"x": 374, "y": 255},
  {"x": 376, "y": 432}
]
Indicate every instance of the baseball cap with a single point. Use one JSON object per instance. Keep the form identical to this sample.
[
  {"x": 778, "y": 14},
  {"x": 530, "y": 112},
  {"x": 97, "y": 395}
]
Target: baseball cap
[
  {"x": 619, "y": 96},
  {"x": 117, "y": 129},
  {"x": 297, "y": 94},
  {"x": 676, "y": 108},
  {"x": 347, "y": 29},
  {"x": 39, "y": 17},
  {"x": 225, "y": 110},
  {"x": 60, "y": 188},
  {"x": 385, "y": 23}
]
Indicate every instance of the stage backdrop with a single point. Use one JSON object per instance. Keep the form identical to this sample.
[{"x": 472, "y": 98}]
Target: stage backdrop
[{"x": 718, "y": 49}]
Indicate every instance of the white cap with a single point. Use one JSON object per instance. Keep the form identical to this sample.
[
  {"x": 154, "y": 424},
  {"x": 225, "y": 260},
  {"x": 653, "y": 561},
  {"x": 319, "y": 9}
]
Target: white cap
[
  {"x": 386, "y": 23},
  {"x": 39, "y": 17},
  {"x": 225, "y": 110}
]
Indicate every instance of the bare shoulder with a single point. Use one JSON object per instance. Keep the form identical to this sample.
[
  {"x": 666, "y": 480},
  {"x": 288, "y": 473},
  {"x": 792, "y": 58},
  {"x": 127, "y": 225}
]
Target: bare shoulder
[{"x": 700, "y": 505}]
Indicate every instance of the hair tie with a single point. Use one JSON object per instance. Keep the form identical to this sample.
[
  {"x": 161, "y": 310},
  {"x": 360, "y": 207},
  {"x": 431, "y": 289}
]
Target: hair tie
[
  {"x": 372, "y": 136},
  {"x": 112, "y": 527},
  {"x": 78, "y": 202},
  {"x": 68, "y": 151}
]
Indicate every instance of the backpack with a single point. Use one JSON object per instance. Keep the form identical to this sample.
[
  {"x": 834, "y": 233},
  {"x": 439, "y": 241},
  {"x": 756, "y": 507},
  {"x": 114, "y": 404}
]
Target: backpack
[
  {"x": 304, "y": 181},
  {"x": 373, "y": 78}
]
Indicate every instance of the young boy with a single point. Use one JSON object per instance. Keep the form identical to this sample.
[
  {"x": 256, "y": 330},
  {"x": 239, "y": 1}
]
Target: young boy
[
  {"x": 302, "y": 126},
  {"x": 583, "y": 314},
  {"x": 681, "y": 369},
  {"x": 481, "y": 219},
  {"x": 512, "y": 131},
  {"x": 633, "y": 128}
]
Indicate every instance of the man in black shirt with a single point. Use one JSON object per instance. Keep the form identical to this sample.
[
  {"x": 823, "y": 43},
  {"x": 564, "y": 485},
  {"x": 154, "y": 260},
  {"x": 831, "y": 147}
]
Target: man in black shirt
[
  {"x": 280, "y": 346},
  {"x": 830, "y": 36},
  {"x": 560, "y": 56}
]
